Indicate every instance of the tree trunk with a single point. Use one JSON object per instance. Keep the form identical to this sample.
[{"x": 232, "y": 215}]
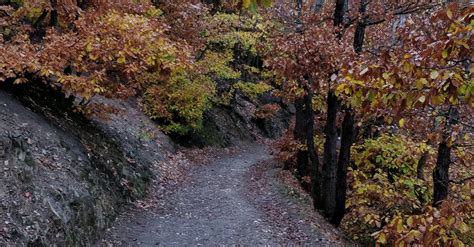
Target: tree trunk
[
  {"x": 441, "y": 171},
  {"x": 421, "y": 165},
  {"x": 330, "y": 157},
  {"x": 54, "y": 14},
  {"x": 311, "y": 150},
  {"x": 359, "y": 37},
  {"x": 441, "y": 174},
  {"x": 335, "y": 172},
  {"x": 347, "y": 139},
  {"x": 299, "y": 134},
  {"x": 339, "y": 12}
]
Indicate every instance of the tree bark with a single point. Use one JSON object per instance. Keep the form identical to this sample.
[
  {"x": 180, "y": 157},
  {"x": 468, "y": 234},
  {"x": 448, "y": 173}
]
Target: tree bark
[
  {"x": 336, "y": 210},
  {"x": 441, "y": 174},
  {"x": 443, "y": 161},
  {"x": 359, "y": 37},
  {"x": 299, "y": 133},
  {"x": 328, "y": 186},
  {"x": 347, "y": 139},
  {"x": 54, "y": 22},
  {"x": 330, "y": 157},
  {"x": 312, "y": 152},
  {"x": 420, "y": 168},
  {"x": 339, "y": 12}
]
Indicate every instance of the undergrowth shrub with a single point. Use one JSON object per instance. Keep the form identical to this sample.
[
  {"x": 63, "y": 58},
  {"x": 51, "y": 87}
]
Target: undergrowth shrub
[
  {"x": 387, "y": 203},
  {"x": 383, "y": 182},
  {"x": 252, "y": 90},
  {"x": 178, "y": 103}
]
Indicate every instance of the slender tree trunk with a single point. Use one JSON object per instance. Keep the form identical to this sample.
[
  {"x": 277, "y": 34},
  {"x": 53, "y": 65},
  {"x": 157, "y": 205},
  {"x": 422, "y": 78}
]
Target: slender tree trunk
[
  {"x": 420, "y": 168},
  {"x": 330, "y": 157},
  {"x": 441, "y": 174},
  {"x": 328, "y": 186},
  {"x": 420, "y": 175},
  {"x": 359, "y": 37},
  {"x": 311, "y": 150},
  {"x": 339, "y": 12},
  {"x": 443, "y": 161},
  {"x": 347, "y": 139},
  {"x": 54, "y": 22},
  {"x": 304, "y": 114},
  {"x": 299, "y": 134}
]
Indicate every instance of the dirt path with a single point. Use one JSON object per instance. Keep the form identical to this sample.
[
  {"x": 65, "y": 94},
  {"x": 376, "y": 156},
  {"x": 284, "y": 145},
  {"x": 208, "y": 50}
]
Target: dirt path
[{"x": 216, "y": 206}]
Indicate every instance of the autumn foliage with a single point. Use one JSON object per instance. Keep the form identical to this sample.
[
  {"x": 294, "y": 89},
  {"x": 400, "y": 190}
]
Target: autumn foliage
[
  {"x": 397, "y": 81},
  {"x": 383, "y": 91}
]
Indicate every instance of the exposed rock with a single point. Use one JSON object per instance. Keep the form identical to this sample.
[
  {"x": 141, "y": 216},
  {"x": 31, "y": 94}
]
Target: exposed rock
[
  {"x": 229, "y": 124},
  {"x": 63, "y": 179}
]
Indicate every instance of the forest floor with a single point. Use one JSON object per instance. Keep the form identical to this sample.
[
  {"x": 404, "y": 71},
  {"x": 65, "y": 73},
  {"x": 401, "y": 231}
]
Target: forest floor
[{"x": 238, "y": 196}]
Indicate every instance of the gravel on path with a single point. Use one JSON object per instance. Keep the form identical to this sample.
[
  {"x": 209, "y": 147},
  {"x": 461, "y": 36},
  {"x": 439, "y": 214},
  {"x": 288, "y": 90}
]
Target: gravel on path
[{"x": 215, "y": 207}]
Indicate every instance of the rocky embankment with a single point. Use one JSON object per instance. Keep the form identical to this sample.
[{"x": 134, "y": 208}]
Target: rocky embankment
[{"x": 64, "y": 179}]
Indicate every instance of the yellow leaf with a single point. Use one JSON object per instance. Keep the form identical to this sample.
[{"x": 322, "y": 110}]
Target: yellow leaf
[
  {"x": 434, "y": 74},
  {"x": 419, "y": 85},
  {"x": 407, "y": 67},
  {"x": 340, "y": 88},
  {"x": 399, "y": 226},
  {"x": 121, "y": 60},
  {"x": 460, "y": 42},
  {"x": 449, "y": 13},
  {"x": 401, "y": 122},
  {"x": 150, "y": 61},
  {"x": 436, "y": 100},
  {"x": 445, "y": 53},
  {"x": 410, "y": 221},
  {"x": 422, "y": 99},
  {"x": 451, "y": 220},
  {"x": 450, "y": 141},
  {"x": 382, "y": 239},
  {"x": 89, "y": 47},
  {"x": 246, "y": 3},
  {"x": 463, "y": 227},
  {"x": 266, "y": 3},
  {"x": 92, "y": 57}
]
